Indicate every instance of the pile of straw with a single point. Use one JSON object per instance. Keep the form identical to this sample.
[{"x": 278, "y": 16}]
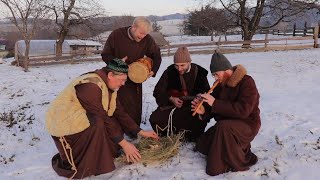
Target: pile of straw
[{"x": 158, "y": 151}]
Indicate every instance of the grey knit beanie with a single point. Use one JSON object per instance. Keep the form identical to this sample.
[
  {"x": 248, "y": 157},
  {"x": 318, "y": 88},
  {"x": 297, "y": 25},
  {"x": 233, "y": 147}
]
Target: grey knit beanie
[
  {"x": 182, "y": 55},
  {"x": 219, "y": 63}
]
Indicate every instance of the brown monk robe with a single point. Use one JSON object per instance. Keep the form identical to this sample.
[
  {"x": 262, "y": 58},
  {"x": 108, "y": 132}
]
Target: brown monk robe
[
  {"x": 127, "y": 42},
  {"x": 179, "y": 79},
  {"x": 234, "y": 105}
]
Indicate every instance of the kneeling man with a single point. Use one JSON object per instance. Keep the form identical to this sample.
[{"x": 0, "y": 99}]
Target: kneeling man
[
  {"x": 234, "y": 104},
  {"x": 175, "y": 90},
  {"x": 87, "y": 124}
]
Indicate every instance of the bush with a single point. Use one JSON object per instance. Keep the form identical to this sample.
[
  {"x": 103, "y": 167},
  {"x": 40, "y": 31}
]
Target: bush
[{"x": 10, "y": 54}]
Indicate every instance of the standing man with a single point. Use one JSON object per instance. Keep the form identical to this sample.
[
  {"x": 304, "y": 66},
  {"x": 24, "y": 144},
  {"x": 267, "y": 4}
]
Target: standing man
[
  {"x": 176, "y": 88},
  {"x": 234, "y": 104},
  {"x": 87, "y": 124},
  {"x": 130, "y": 44}
]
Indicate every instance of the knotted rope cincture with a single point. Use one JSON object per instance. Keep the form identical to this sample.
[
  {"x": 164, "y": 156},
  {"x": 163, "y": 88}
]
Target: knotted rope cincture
[
  {"x": 169, "y": 125},
  {"x": 66, "y": 146}
]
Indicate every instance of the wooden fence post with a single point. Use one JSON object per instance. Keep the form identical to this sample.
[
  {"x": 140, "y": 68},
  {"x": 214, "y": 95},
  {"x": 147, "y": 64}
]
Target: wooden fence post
[
  {"x": 219, "y": 43},
  {"x": 266, "y": 42},
  {"x": 305, "y": 29},
  {"x": 316, "y": 36},
  {"x": 286, "y": 44}
]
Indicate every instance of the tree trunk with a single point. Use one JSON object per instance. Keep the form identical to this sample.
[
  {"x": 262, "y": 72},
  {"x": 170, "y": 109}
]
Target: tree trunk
[
  {"x": 61, "y": 37},
  {"x": 59, "y": 47},
  {"x": 247, "y": 36},
  {"x": 26, "y": 56}
]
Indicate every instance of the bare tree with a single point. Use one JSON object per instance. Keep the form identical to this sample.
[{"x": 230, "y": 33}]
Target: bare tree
[
  {"x": 193, "y": 24},
  {"x": 156, "y": 27},
  {"x": 68, "y": 13},
  {"x": 207, "y": 20},
  {"x": 248, "y": 14},
  {"x": 25, "y": 16},
  {"x": 313, "y": 4}
]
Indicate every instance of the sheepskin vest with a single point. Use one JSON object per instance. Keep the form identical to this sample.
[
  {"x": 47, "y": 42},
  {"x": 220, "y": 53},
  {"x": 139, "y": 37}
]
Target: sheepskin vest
[{"x": 66, "y": 116}]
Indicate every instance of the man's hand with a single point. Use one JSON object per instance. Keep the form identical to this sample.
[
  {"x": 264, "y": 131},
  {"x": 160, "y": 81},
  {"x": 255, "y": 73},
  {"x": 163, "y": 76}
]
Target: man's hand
[
  {"x": 124, "y": 58},
  {"x": 149, "y": 134},
  {"x": 208, "y": 98},
  {"x": 132, "y": 153},
  {"x": 195, "y": 103},
  {"x": 151, "y": 73},
  {"x": 176, "y": 101}
]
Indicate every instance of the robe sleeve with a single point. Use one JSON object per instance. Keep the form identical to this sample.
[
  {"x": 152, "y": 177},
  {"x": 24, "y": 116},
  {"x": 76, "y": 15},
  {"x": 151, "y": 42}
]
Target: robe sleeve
[
  {"x": 160, "y": 91},
  {"x": 126, "y": 122},
  {"x": 154, "y": 53},
  {"x": 243, "y": 106}
]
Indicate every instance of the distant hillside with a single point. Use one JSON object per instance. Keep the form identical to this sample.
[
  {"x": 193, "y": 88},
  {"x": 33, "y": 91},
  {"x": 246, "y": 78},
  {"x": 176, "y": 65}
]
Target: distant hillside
[
  {"x": 311, "y": 17},
  {"x": 167, "y": 17},
  {"x": 171, "y": 27}
]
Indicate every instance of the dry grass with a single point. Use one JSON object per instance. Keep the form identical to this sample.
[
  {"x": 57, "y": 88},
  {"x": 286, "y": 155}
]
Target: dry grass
[{"x": 158, "y": 151}]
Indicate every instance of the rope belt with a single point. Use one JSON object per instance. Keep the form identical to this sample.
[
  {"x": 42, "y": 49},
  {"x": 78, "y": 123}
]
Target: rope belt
[
  {"x": 66, "y": 146},
  {"x": 169, "y": 125}
]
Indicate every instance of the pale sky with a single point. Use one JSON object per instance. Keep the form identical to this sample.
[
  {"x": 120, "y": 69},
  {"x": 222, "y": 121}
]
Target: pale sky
[
  {"x": 147, "y": 7},
  {"x": 143, "y": 7}
]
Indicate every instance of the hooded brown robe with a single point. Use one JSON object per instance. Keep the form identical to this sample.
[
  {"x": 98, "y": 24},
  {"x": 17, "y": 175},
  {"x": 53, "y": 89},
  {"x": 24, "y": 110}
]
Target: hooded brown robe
[
  {"x": 227, "y": 143},
  {"x": 196, "y": 82},
  {"x": 119, "y": 45}
]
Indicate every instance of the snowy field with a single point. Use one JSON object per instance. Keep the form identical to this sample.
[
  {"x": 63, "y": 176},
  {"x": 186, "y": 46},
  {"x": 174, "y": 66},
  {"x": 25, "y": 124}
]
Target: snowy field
[
  {"x": 204, "y": 39},
  {"x": 288, "y": 144},
  {"x": 273, "y": 42},
  {"x": 171, "y": 27}
]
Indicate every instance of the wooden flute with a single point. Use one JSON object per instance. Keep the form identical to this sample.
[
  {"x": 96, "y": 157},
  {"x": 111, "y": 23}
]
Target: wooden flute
[{"x": 209, "y": 92}]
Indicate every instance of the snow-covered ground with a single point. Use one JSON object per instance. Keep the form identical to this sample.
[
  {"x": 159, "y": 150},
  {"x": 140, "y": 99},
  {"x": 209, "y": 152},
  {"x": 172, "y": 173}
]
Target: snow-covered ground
[{"x": 288, "y": 144}]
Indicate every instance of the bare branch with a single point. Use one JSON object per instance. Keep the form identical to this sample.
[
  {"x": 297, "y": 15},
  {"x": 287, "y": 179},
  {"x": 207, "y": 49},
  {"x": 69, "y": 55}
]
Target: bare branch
[
  {"x": 25, "y": 16},
  {"x": 72, "y": 13}
]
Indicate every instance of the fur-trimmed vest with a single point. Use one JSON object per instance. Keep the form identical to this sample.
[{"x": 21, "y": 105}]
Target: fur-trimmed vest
[{"x": 66, "y": 116}]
